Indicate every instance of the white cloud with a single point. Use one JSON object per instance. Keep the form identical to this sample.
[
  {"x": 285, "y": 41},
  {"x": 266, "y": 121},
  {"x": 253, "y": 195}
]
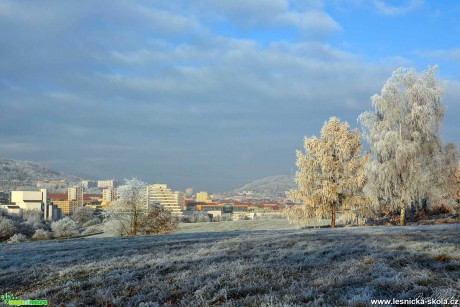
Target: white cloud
[
  {"x": 386, "y": 9},
  {"x": 310, "y": 21},
  {"x": 163, "y": 76},
  {"x": 167, "y": 22},
  {"x": 308, "y": 16},
  {"x": 441, "y": 54}
]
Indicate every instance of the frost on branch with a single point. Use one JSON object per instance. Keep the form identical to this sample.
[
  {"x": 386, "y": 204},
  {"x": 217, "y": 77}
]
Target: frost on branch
[
  {"x": 65, "y": 228},
  {"x": 125, "y": 214},
  {"x": 331, "y": 174},
  {"x": 409, "y": 164},
  {"x": 130, "y": 214}
]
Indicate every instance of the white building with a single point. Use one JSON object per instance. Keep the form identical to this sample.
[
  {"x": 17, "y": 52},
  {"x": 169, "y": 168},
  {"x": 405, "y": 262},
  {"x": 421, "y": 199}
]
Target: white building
[
  {"x": 102, "y": 184},
  {"x": 36, "y": 201},
  {"x": 162, "y": 195},
  {"x": 87, "y": 184}
]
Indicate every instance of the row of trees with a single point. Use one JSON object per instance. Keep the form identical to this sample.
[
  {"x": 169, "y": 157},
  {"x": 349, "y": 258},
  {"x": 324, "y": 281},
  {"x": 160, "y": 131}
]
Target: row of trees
[
  {"x": 407, "y": 165},
  {"x": 31, "y": 226}
]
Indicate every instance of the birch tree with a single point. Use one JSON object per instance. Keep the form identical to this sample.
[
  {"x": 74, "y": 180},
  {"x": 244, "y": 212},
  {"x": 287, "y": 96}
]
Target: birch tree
[
  {"x": 403, "y": 134},
  {"x": 331, "y": 173},
  {"x": 456, "y": 190},
  {"x": 127, "y": 211}
]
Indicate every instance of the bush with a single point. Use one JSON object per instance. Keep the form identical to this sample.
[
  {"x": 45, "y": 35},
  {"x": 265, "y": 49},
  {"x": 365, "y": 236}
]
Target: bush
[
  {"x": 41, "y": 234},
  {"x": 83, "y": 215},
  {"x": 7, "y": 228},
  {"x": 158, "y": 220},
  {"x": 25, "y": 228},
  {"x": 117, "y": 224},
  {"x": 65, "y": 228},
  {"x": 441, "y": 209},
  {"x": 186, "y": 219},
  {"x": 226, "y": 217},
  {"x": 32, "y": 216},
  {"x": 200, "y": 217},
  {"x": 17, "y": 238}
]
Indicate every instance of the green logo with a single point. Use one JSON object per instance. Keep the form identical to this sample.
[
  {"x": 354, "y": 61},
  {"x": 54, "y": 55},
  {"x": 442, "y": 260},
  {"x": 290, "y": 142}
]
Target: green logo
[{"x": 13, "y": 300}]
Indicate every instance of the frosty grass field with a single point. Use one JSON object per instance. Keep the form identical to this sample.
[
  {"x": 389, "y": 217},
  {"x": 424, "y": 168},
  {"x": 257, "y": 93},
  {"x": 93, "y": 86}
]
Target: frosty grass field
[{"x": 330, "y": 267}]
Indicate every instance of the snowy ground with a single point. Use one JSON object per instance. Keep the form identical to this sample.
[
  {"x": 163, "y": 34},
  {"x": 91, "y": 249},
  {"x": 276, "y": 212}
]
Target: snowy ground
[{"x": 341, "y": 267}]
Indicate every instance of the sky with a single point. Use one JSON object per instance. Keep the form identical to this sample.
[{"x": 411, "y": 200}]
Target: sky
[{"x": 209, "y": 94}]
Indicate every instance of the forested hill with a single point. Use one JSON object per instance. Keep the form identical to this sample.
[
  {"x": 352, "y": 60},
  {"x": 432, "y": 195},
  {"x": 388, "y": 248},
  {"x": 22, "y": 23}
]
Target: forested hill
[
  {"x": 28, "y": 170},
  {"x": 269, "y": 187}
]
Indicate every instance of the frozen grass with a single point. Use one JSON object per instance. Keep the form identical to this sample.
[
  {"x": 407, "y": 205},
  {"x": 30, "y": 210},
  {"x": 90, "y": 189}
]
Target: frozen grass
[
  {"x": 256, "y": 224},
  {"x": 330, "y": 267}
]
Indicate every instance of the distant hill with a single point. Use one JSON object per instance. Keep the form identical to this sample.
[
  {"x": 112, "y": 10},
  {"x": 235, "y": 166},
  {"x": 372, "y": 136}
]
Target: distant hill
[
  {"x": 28, "y": 170},
  {"x": 273, "y": 186}
]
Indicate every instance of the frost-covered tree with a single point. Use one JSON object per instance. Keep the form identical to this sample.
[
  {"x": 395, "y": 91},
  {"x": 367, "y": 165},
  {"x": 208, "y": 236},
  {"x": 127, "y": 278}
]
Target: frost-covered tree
[
  {"x": 331, "y": 173},
  {"x": 82, "y": 215},
  {"x": 456, "y": 190},
  {"x": 65, "y": 228},
  {"x": 127, "y": 211},
  {"x": 7, "y": 228},
  {"x": 403, "y": 133},
  {"x": 158, "y": 220}
]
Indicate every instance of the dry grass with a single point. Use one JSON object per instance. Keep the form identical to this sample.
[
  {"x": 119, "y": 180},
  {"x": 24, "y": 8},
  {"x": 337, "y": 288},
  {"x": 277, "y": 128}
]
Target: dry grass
[{"x": 317, "y": 267}]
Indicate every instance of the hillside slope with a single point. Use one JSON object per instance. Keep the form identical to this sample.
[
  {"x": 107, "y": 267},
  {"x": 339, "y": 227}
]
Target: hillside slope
[
  {"x": 28, "y": 170},
  {"x": 317, "y": 267},
  {"x": 269, "y": 186}
]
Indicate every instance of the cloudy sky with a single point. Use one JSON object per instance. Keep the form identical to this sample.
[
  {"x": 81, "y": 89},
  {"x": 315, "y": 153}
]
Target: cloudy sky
[{"x": 207, "y": 93}]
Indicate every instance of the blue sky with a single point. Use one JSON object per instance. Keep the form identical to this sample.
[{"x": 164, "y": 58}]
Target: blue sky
[{"x": 209, "y": 93}]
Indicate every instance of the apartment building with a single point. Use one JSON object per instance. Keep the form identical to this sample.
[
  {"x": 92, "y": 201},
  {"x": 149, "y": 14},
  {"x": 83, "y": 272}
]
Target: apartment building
[
  {"x": 102, "y": 184},
  {"x": 75, "y": 194},
  {"x": 203, "y": 197},
  {"x": 67, "y": 206},
  {"x": 109, "y": 195},
  {"x": 160, "y": 194}
]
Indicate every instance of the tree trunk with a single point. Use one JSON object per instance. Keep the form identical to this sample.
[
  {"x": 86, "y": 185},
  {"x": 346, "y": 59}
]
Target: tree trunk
[
  {"x": 134, "y": 223},
  {"x": 458, "y": 209},
  {"x": 333, "y": 216},
  {"x": 403, "y": 214}
]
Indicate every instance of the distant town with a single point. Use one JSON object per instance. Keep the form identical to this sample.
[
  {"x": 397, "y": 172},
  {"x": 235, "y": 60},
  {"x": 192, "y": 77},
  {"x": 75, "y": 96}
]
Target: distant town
[{"x": 49, "y": 197}]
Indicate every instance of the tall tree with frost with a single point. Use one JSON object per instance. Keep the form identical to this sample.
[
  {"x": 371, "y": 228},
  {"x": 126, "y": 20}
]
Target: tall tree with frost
[
  {"x": 403, "y": 133},
  {"x": 331, "y": 173},
  {"x": 128, "y": 210},
  {"x": 457, "y": 190}
]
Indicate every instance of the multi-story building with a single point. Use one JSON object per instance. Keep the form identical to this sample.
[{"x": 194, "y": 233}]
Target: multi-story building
[
  {"x": 28, "y": 200},
  {"x": 50, "y": 183},
  {"x": 14, "y": 184},
  {"x": 160, "y": 194},
  {"x": 75, "y": 194},
  {"x": 67, "y": 206},
  {"x": 87, "y": 184},
  {"x": 203, "y": 197},
  {"x": 109, "y": 195},
  {"x": 36, "y": 201},
  {"x": 102, "y": 184}
]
